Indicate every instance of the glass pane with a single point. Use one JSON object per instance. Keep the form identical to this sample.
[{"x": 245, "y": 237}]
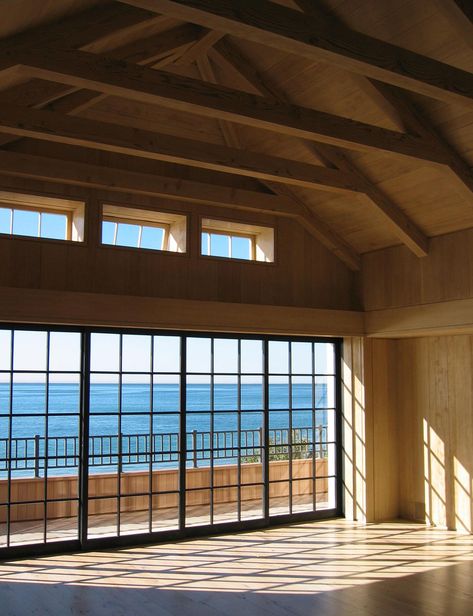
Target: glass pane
[
  {"x": 128, "y": 235},
  {"x": 198, "y": 355},
  {"x": 54, "y": 226},
  {"x": 108, "y": 232},
  {"x": 219, "y": 245},
  {"x": 198, "y": 393},
  {"x": 64, "y": 393},
  {"x": 278, "y": 392},
  {"x": 30, "y": 350},
  {"x": 136, "y": 352},
  {"x": 105, "y": 352},
  {"x": 104, "y": 395},
  {"x": 167, "y": 353},
  {"x": 64, "y": 351},
  {"x": 251, "y": 393},
  {"x": 5, "y": 349},
  {"x": 225, "y": 355},
  {"x": 166, "y": 393},
  {"x": 302, "y": 392},
  {"x": 279, "y": 357},
  {"x": 25, "y": 223},
  {"x": 205, "y": 238},
  {"x": 241, "y": 248},
  {"x": 252, "y": 356},
  {"x": 152, "y": 237},
  {"x": 5, "y": 218},
  {"x": 225, "y": 393},
  {"x": 324, "y": 358},
  {"x": 136, "y": 393},
  {"x": 301, "y": 357}
]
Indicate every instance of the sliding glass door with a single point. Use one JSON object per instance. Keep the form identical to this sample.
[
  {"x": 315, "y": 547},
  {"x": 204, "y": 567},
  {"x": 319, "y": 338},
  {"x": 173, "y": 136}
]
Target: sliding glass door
[{"x": 111, "y": 436}]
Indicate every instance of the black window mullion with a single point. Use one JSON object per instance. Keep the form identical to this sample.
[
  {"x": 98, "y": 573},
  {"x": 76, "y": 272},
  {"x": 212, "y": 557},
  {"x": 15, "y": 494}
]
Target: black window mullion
[
  {"x": 212, "y": 426},
  {"x": 239, "y": 431},
  {"x": 265, "y": 444},
  {"x": 10, "y": 440},
  {"x": 314, "y": 439},
  {"x": 46, "y": 436},
  {"x": 183, "y": 435},
  {"x": 119, "y": 436},
  {"x": 151, "y": 439},
  {"x": 84, "y": 439},
  {"x": 289, "y": 434}
]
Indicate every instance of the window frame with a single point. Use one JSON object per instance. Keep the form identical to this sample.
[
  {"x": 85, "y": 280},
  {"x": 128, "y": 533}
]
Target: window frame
[
  {"x": 172, "y": 223},
  {"x": 73, "y": 210},
  {"x": 262, "y": 238},
  {"x": 137, "y": 223}
]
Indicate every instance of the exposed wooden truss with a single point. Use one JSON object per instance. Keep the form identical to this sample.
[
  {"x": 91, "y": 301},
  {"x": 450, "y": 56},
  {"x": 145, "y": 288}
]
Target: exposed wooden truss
[
  {"x": 312, "y": 223},
  {"x": 99, "y": 65},
  {"x": 59, "y": 128},
  {"x": 413, "y": 119},
  {"x": 86, "y": 70},
  {"x": 393, "y": 215},
  {"x": 278, "y": 26}
]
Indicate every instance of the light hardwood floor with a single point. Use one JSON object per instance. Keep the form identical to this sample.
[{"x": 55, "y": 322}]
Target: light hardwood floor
[{"x": 328, "y": 568}]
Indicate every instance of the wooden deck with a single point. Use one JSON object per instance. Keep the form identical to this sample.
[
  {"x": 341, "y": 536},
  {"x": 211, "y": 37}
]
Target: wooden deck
[
  {"x": 328, "y": 568},
  {"x": 134, "y": 522}
]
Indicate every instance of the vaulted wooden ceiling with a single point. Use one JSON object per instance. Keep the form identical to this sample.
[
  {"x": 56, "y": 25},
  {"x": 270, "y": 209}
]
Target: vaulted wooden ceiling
[{"x": 355, "y": 117}]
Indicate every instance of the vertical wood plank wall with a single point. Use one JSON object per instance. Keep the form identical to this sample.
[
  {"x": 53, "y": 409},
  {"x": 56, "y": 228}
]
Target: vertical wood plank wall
[
  {"x": 370, "y": 430},
  {"x": 394, "y": 277},
  {"x": 435, "y": 399},
  {"x": 305, "y": 273}
]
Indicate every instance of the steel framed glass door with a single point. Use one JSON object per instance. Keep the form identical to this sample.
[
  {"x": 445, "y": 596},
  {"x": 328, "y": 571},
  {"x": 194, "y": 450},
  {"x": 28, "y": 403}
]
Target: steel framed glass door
[
  {"x": 40, "y": 411},
  {"x": 123, "y": 436}
]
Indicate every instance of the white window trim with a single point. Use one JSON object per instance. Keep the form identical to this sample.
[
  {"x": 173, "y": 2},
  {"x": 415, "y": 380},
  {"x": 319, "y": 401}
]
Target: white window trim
[
  {"x": 262, "y": 238},
  {"x": 174, "y": 225},
  {"x": 73, "y": 210}
]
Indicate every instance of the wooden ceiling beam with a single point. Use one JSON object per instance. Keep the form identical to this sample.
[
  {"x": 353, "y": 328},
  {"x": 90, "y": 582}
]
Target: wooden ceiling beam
[
  {"x": 400, "y": 224},
  {"x": 82, "y": 69},
  {"x": 80, "y": 30},
  {"x": 119, "y": 179},
  {"x": 65, "y": 99},
  {"x": 277, "y": 26},
  {"x": 59, "y": 128},
  {"x": 199, "y": 49}
]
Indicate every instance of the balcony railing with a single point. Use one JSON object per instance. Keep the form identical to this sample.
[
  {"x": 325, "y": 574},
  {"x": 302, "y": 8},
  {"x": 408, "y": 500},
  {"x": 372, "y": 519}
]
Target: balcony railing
[{"x": 62, "y": 452}]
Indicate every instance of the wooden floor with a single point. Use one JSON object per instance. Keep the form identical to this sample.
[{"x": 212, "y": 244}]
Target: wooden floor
[{"x": 334, "y": 568}]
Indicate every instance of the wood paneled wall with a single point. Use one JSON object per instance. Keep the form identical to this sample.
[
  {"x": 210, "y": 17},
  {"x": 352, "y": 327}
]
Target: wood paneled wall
[
  {"x": 394, "y": 277},
  {"x": 370, "y": 450},
  {"x": 305, "y": 274},
  {"x": 435, "y": 414}
]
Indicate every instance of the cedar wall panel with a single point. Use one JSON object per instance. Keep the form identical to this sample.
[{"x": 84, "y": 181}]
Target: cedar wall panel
[
  {"x": 305, "y": 273},
  {"x": 435, "y": 410},
  {"x": 394, "y": 277}
]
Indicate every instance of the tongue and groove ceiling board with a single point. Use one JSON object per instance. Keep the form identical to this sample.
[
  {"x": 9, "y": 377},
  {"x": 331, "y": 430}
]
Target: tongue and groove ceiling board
[{"x": 395, "y": 198}]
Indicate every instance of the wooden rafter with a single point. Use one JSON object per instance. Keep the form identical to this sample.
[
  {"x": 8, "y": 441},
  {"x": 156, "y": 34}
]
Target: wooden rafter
[
  {"x": 120, "y": 179},
  {"x": 82, "y": 69},
  {"x": 314, "y": 225},
  {"x": 59, "y": 128},
  {"x": 201, "y": 47},
  {"x": 147, "y": 51},
  {"x": 414, "y": 119},
  {"x": 277, "y": 26},
  {"x": 407, "y": 232}
]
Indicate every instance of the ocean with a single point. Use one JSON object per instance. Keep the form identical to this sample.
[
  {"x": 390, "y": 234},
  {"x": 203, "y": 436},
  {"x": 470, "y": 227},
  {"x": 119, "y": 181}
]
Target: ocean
[{"x": 28, "y": 411}]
